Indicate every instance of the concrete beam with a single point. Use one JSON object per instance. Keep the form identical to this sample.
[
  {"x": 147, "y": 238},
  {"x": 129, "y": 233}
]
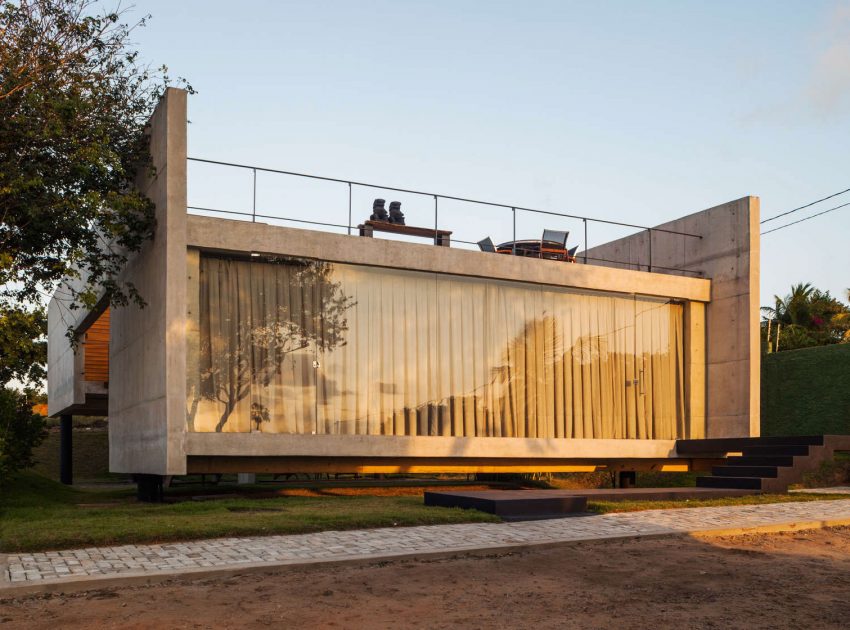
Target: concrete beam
[
  {"x": 229, "y": 236},
  {"x": 278, "y": 444}
]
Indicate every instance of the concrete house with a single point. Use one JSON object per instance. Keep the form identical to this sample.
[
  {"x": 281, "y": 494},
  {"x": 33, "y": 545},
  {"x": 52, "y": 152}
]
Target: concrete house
[{"x": 274, "y": 349}]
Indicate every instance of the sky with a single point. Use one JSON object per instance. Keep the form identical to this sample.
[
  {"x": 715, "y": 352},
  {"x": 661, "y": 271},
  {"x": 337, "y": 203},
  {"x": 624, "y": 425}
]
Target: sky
[{"x": 636, "y": 112}]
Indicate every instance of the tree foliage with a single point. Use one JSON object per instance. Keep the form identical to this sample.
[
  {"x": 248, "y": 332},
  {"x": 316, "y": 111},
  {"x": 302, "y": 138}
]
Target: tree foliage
[
  {"x": 804, "y": 318},
  {"x": 21, "y": 431},
  {"x": 74, "y": 102},
  {"x": 23, "y": 345}
]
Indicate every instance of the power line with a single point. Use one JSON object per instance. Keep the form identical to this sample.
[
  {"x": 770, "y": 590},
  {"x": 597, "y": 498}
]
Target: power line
[
  {"x": 805, "y": 219},
  {"x": 806, "y": 206}
]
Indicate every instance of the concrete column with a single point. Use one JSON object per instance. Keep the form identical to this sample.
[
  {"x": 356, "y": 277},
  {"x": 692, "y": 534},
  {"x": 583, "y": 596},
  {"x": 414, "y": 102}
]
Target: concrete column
[
  {"x": 66, "y": 450},
  {"x": 246, "y": 478}
]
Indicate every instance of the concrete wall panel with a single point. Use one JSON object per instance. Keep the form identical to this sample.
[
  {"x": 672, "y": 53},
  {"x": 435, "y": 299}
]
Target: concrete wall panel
[
  {"x": 728, "y": 254},
  {"x": 65, "y": 378},
  {"x": 147, "y": 349}
]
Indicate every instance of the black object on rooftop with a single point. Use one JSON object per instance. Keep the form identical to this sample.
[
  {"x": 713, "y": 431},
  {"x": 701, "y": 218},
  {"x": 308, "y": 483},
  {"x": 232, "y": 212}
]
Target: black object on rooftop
[
  {"x": 486, "y": 245},
  {"x": 556, "y": 236},
  {"x": 379, "y": 213},
  {"x": 396, "y": 215}
]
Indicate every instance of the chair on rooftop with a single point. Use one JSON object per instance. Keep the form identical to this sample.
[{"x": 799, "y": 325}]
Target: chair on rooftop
[
  {"x": 555, "y": 236},
  {"x": 486, "y": 245},
  {"x": 548, "y": 247}
]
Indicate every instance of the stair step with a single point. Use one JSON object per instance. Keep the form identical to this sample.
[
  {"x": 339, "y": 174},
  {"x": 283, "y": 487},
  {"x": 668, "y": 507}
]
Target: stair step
[
  {"x": 719, "y": 445},
  {"x": 743, "y": 483},
  {"x": 745, "y": 471},
  {"x": 760, "y": 461},
  {"x": 785, "y": 450}
]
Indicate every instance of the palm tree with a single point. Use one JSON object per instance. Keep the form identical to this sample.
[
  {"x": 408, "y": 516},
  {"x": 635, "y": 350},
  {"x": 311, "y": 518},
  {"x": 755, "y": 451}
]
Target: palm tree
[{"x": 806, "y": 317}]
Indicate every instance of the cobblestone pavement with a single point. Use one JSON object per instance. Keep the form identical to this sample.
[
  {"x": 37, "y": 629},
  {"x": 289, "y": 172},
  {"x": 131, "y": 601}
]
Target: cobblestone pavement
[
  {"x": 833, "y": 490},
  {"x": 375, "y": 543}
]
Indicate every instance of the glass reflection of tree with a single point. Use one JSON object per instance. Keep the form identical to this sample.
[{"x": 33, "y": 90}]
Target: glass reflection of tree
[{"x": 231, "y": 369}]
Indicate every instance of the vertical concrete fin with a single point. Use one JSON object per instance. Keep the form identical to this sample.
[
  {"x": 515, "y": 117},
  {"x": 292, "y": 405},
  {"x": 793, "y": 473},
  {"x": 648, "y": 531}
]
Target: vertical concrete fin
[{"x": 147, "y": 387}]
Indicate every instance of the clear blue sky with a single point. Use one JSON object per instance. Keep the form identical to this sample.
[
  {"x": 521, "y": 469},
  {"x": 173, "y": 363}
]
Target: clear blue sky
[{"x": 640, "y": 112}]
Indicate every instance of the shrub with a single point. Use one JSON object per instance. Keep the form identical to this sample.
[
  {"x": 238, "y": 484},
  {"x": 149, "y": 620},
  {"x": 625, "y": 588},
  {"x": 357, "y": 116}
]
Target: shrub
[{"x": 21, "y": 430}]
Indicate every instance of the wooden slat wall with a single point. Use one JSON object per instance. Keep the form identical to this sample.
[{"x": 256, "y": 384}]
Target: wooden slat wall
[{"x": 96, "y": 363}]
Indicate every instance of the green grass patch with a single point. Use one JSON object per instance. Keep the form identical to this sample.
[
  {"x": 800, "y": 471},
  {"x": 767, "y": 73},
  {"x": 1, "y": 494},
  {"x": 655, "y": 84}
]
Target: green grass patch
[
  {"x": 39, "y": 514},
  {"x": 606, "y": 507}
]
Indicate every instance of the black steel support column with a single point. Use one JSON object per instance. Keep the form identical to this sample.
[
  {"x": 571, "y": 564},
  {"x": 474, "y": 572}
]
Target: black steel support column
[
  {"x": 626, "y": 479},
  {"x": 149, "y": 488},
  {"x": 66, "y": 450}
]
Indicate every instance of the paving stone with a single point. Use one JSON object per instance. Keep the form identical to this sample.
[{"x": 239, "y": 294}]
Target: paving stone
[{"x": 376, "y": 542}]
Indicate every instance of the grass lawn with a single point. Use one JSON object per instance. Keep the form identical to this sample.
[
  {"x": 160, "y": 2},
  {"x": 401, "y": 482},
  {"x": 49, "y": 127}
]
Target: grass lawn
[
  {"x": 605, "y": 507},
  {"x": 39, "y": 514}
]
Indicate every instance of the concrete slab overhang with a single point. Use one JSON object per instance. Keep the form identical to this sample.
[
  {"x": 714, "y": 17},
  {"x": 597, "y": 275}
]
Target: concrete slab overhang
[
  {"x": 275, "y": 444},
  {"x": 229, "y": 236}
]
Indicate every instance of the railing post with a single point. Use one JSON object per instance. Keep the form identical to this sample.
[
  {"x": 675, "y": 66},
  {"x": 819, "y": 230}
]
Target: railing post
[
  {"x": 349, "y": 208},
  {"x": 585, "y": 241},
  {"x": 254, "y": 206},
  {"x": 649, "y": 233},
  {"x": 513, "y": 241},
  {"x": 436, "y": 237}
]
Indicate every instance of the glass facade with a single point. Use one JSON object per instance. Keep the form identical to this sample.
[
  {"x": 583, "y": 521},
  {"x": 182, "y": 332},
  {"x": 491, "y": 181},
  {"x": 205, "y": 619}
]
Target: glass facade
[{"x": 309, "y": 347}]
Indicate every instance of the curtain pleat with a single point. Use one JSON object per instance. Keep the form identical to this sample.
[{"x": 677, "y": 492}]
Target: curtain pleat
[{"x": 297, "y": 346}]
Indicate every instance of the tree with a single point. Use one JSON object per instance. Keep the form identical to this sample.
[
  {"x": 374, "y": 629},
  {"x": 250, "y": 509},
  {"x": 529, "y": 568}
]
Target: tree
[
  {"x": 74, "y": 101},
  {"x": 804, "y": 318},
  {"x": 21, "y": 430},
  {"x": 24, "y": 349}
]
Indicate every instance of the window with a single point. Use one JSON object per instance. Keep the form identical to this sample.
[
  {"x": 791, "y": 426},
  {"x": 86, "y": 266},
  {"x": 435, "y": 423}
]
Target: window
[{"x": 303, "y": 346}]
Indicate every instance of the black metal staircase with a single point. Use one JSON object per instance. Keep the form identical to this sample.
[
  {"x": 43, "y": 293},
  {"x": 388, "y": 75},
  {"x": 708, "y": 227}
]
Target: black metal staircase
[{"x": 767, "y": 464}]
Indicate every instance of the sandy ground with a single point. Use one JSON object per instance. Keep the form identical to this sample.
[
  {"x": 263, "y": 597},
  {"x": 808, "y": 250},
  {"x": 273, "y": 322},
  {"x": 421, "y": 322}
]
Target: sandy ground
[{"x": 793, "y": 580}]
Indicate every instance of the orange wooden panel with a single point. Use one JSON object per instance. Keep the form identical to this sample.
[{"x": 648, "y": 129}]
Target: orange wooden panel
[{"x": 96, "y": 350}]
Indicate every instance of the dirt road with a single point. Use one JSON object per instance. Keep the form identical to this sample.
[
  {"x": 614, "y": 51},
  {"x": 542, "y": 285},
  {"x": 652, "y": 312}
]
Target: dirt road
[{"x": 795, "y": 580}]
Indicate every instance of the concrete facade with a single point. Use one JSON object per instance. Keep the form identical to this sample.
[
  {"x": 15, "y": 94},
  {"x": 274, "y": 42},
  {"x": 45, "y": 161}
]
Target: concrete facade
[
  {"x": 225, "y": 236},
  {"x": 729, "y": 254},
  {"x": 147, "y": 352},
  {"x": 150, "y": 348},
  {"x": 66, "y": 382}
]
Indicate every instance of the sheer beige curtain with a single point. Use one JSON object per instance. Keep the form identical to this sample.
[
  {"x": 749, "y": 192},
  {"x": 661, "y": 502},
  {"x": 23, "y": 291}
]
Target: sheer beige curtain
[
  {"x": 259, "y": 325},
  {"x": 308, "y": 347}
]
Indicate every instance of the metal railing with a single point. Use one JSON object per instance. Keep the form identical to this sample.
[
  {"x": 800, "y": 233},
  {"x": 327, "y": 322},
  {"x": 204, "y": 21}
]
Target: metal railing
[{"x": 437, "y": 197}]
